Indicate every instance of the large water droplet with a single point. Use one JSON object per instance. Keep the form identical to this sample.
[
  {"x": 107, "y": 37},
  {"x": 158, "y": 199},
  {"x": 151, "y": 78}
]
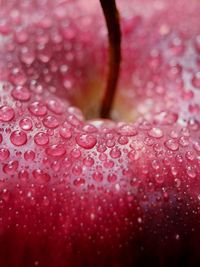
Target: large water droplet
[
  {"x": 97, "y": 176},
  {"x": 29, "y": 155}
]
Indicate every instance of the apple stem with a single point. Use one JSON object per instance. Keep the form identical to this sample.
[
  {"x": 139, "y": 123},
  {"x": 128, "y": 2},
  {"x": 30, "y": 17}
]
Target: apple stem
[{"x": 114, "y": 34}]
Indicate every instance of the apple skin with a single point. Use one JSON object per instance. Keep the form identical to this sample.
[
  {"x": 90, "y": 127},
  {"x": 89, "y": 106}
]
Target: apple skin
[{"x": 99, "y": 192}]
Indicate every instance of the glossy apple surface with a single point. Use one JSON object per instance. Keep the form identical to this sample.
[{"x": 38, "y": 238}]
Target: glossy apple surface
[{"x": 77, "y": 192}]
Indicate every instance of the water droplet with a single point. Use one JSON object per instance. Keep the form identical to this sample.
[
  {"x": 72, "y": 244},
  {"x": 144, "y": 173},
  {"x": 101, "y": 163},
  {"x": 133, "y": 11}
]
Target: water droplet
[
  {"x": 79, "y": 182},
  {"x": 41, "y": 139},
  {"x": 56, "y": 150},
  {"x": 115, "y": 153},
  {"x": 75, "y": 153},
  {"x": 197, "y": 146},
  {"x": 65, "y": 132},
  {"x": 155, "y": 132},
  {"x": 55, "y": 106},
  {"x": 172, "y": 145},
  {"x": 133, "y": 155},
  {"x": 29, "y": 155},
  {"x": 77, "y": 170},
  {"x": 97, "y": 176},
  {"x": 50, "y": 122},
  {"x": 123, "y": 140},
  {"x": 38, "y": 108},
  {"x": 86, "y": 141},
  {"x": 21, "y": 93},
  {"x": 11, "y": 167},
  {"x": 26, "y": 124},
  {"x": 4, "y": 154},
  {"x": 112, "y": 178},
  {"x": 23, "y": 175},
  {"x": 196, "y": 80},
  {"x": 18, "y": 138},
  {"x": 88, "y": 161},
  {"x": 41, "y": 176},
  {"x": 183, "y": 141},
  {"x": 1, "y": 138},
  {"x": 191, "y": 172},
  {"x": 6, "y": 113},
  {"x": 127, "y": 130},
  {"x": 190, "y": 155},
  {"x": 55, "y": 166}
]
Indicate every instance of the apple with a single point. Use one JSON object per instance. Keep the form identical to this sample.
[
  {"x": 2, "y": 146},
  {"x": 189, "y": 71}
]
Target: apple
[{"x": 77, "y": 189}]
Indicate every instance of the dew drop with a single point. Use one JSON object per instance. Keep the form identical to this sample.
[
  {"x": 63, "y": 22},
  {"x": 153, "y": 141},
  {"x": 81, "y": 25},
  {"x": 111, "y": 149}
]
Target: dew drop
[
  {"x": 172, "y": 145},
  {"x": 155, "y": 132},
  {"x": 29, "y": 155},
  {"x": 183, "y": 141},
  {"x": 75, "y": 153},
  {"x": 88, "y": 161},
  {"x": 18, "y": 138},
  {"x": 79, "y": 182},
  {"x": 112, "y": 178},
  {"x": 26, "y": 124},
  {"x": 21, "y": 93},
  {"x": 41, "y": 139},
  {"x": 11, "y": 167},
  {"x": 86, "y": 141},
  {"x": 55, "y": 106},
  {"x": 6, "y": 113},
  {"x": 65, "y": 132},
  {"x": 50, "y": 122},
  {"x": 197, "y": 146},
  {"x": 37, "y": 108},
  {"x": 191, "y": 172},
  {"x": 4, "y": 154},
  {"x": 23, "y": 175},
  {"x": 97, "y": 176},
  {"x": 127, "y": 130},
  {"x": 115, "y": 153},
  {"x": 196, "y": 80},
  {"x": 41, "y": 176},
  {"x": 56, "y": 150}
]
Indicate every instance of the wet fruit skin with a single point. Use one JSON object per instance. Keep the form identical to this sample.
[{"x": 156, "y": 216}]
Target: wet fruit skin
[{"x": 99, "y": 193}]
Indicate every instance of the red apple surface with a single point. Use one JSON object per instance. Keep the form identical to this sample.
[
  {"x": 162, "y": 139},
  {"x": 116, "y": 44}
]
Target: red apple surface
[{"x": 80, "y": 191}]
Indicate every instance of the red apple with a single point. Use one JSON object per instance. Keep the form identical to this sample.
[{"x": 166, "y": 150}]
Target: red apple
[{"x": 78, "y": 190}]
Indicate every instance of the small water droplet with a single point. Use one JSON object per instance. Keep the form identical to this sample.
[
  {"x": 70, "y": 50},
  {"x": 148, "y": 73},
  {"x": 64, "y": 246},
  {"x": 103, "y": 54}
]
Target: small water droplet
[
  {"x": 191, "y": 172},
  {"x": 155, "y": 132},
  {"x": 172, "y": 145},
  {"x": 55, "y": 106},
  {"x": 86, "y": 141},
  {"x": 196, "y": 80},
  {"x": 88, "y": 161},
  {"x": 50, "y": 122},
  {"x": 56, "y": 150},
  {"x": 65, "y": 132},
  {"x": 112, "y": 178},
  {"x": 41, "y": 176},
  {"x": 21, "y": 93},
  {"x": 11, "y": 167},
  {"x": 29, "y": 155},
  {"x": 4, "y": 154},
  {"x": 26, "y": 124},
  {"x": 41, "y": 139},
  {"x": 6, "y": 113},
  {"x": 37, "y": 108},
  {"x": 97, "y": 176},
  {"x": 115, "y": 153},
  {"x": 23, "y": 175},
  {"x": 18, "y": 138}
]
